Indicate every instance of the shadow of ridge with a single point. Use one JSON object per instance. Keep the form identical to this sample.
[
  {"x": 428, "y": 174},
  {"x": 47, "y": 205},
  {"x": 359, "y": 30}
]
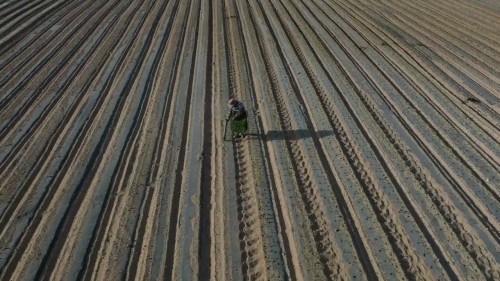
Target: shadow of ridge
[{"x": 295, "y": 134}]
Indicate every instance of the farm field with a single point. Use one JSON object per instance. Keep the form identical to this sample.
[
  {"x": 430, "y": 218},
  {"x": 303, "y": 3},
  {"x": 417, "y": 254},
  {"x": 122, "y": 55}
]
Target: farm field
[{"x": 372, "y": 152}]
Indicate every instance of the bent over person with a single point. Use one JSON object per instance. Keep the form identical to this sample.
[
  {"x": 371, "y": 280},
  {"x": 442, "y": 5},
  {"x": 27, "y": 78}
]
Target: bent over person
[{"x": 238, "y": 117}]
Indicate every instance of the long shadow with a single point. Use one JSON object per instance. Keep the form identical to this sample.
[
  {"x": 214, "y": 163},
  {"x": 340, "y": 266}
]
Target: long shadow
[{"x": 290, "y": 135}]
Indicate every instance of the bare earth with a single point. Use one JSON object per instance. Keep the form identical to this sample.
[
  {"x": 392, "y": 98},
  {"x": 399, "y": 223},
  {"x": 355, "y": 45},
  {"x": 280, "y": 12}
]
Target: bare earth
[{"x": 373, "y": 150}]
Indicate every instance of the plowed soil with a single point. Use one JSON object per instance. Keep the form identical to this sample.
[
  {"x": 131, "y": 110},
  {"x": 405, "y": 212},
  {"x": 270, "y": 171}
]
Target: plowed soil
[{"x": 372, "y": 152}]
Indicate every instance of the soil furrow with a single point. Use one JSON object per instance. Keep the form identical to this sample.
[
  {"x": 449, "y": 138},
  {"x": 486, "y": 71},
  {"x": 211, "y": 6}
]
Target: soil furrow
[
  {"x": 477, "y": 252},
  {"x": 401, "y": 244},
  {"x": 406, "y": 51},
  {"x": 482, "y": 73},
  {"x": 466, "y": 155},
  {"x": 271, "y": 219},
  {"x": 148, "y": 210},
  {"x": 252, "y": 254},
  {"x": 22, "y": 12},
  {"x": 360, "y": 243},
  {"x": 452, "y": 33},
  {"x": 8, "y": 7},
  {"x": 466, "y": 159},
  {"x": 99, "y": 231},
  {"x": 59, "y": 100},
  {"x": 475, "y": 76},
  {"x": 291, "y": 241},
  {"x": 465, "y": 195},
  {"x": 479, "y": 10},
  {"x": 372, "y": 149},
  {"x": 233, "y": 61},
  {"x": 461, "y": 18},
  {"x": 468, "y": 195},
  {"x": 57, "y": 54},
  {"x": 184, "y": 87},
  {"x": 35, "y": 133},
  {"x": 45, "y": 32},
  {"x": 219, "y": 86},
  {"x": 31, "y": 50},
  {"x": 373, "y": 194},
  {"x": 124, "y": 173},
  {"x": 19, "y": 32},
  {"x": 187, "y": 265},
  {"x": 440, "y": 66},
  {"x": 208, "y": 183},
  {"x": 170, "y": 156},
  {"x": 66, "y": 116},
  {"x": 418, "y": 218},
  {"x": 329, "y": 254},
  {"x": 80, "y": 139},
  {"x": 250, "y": 230},
  {"x": 424, "y": 88}
]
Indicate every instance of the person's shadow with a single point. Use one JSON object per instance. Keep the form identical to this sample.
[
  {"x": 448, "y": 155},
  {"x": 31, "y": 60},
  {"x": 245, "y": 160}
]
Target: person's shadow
[{"x": 291, "y": 135}]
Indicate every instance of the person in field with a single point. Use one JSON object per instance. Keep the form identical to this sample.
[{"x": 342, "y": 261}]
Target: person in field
[{"x": 238, "y": 118}]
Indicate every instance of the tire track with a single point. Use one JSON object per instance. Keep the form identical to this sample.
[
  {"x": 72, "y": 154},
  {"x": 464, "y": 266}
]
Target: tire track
[
  {"x": 362, "y": 248},
  {"x": 455, "y": 57},
  {"x": 252, "y": 255},
  {"x": 470, "y": 242},
  {"x": 451, "y": 74},
  {"x": 286, "y": 242},
  {"x": 460, "y": 31},
  {"x": 250, "y": 229},
  {"x": 442, "y": 137},
  {"x": 274, "y": 252},
  {"x": 289, "y": 241},
  {"x": 230, "y": 20},
  {"x": 329, "y": 255},
  {"x": 424, "y": 62},
  {"x": 273, "y": 223},
  {"x": 485, "y": 262},
  {"x": 465, "y": 195},
  {"x": 461, "y": 18},
  {"x": 407, "y": 256},
  {"x": 422, "y": 224},
  {"x": 454, "y": 179},
  {"x": 482, "y": 257}
]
